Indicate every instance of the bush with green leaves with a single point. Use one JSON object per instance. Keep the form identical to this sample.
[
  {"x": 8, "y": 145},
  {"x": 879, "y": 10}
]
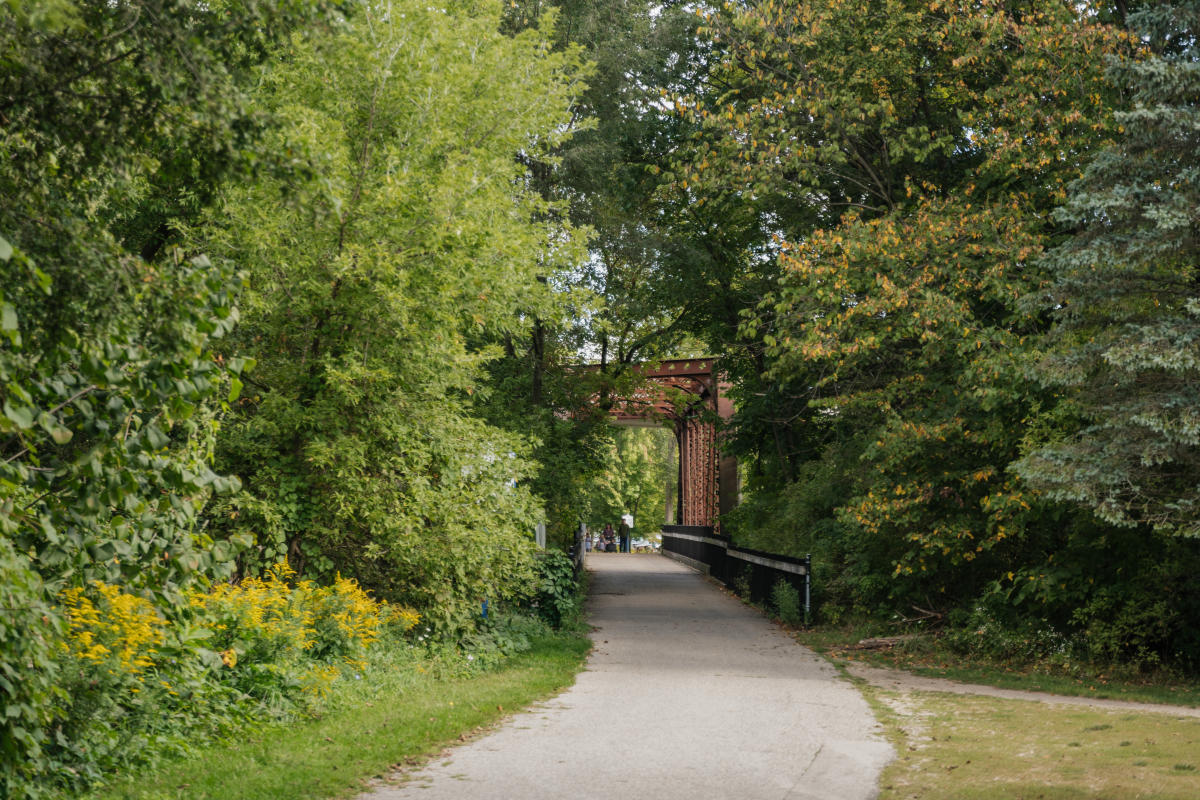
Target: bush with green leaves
[
  {"x": 741, "y": 582},
  {"x": 131, "y": 683},
  {"x": 785, "y": 600},
  {"x": 988, "y": 633},
  {"x": 110, "y": 375},
  {"x": 30, "y": 693},
  {"x": 135, "y": 689},
  {"x": 501, "y": 635},
  {"x": 557, "y": 599},
  {"x": 110, "y": 371}
]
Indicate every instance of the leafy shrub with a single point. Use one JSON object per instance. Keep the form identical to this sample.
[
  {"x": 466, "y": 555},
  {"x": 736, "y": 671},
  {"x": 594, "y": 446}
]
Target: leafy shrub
[
  {"x": 116, "y": 627},
  {"x": 982, "y": 633},
  {"x": 111, "y": 681},
  {"x": 29, "y": 628},
  {"x": 1135, "y": 630},
  {"x": 503, "y": 635},
  {"x": 255, "y": 623},
  {"x": 346, "y": 620},
  {"x": 785, "y": 599},
  {"x": 741, "y": 583},
  {"x": 557, "y": 598},
  {"x": 134, "y": 687}
]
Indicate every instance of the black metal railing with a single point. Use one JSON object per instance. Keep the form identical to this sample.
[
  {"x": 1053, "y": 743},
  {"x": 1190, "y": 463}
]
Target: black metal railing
[{"x": 749, "y": 572}]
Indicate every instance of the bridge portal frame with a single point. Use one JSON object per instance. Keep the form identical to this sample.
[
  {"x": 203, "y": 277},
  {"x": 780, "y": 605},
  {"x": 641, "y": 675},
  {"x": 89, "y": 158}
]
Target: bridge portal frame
[{"x": 689, "y": 395}]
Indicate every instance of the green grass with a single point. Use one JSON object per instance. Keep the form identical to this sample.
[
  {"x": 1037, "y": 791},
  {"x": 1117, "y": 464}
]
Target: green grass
[
  {"x": 925, "y": 656},
  {"x": 954, "y": 747},
  {"x": 392, "y": 719}
]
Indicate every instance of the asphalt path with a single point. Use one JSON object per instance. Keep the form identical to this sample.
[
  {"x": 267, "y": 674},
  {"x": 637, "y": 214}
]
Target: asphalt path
[{"x": 688, "y": 695}]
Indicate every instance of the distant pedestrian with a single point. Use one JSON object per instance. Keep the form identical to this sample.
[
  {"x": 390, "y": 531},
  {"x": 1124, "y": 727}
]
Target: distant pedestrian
[
  {"x": 625, "y": 532},
  {"x": 608, "y": 539}
]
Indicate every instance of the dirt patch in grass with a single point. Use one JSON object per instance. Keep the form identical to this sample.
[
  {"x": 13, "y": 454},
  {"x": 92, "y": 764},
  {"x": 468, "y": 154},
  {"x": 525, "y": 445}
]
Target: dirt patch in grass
[
  {"x": 926, "y": 655},
  {"x": 901, "y": 681}
]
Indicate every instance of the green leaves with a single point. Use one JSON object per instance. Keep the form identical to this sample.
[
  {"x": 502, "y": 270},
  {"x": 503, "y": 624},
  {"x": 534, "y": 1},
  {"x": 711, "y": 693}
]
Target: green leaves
[
  {"x": 29, "y": 672},
  {"x": 109, "y": 383},
  {"x": 378, "y": 276},
  {"x": 1123, "y": 348},
  {"x": 638, "y": 478},
  {"x": 15, "y": 260},
  {"x": 914, "y": 156},
  {"x": 21, "y": 416},
  {"x": 59, "y": 433},
  {"x": 8, "y": 322}
]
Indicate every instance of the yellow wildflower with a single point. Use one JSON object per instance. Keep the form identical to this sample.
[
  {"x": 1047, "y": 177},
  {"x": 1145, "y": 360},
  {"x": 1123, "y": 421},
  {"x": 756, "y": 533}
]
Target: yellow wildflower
[{"x": 114, "y": 623}]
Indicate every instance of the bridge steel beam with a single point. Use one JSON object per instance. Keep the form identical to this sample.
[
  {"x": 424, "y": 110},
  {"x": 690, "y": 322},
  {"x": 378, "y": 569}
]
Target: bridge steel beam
[{"x": 708, "y": 480}]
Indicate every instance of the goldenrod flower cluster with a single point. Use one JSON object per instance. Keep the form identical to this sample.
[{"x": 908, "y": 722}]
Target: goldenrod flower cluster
[
  {"x": 317, "y": 680},
  {"x": 353, "y": 619},
  {"x": 403, "y": 618},
  {"x": 112, "y": 624},
  {"x": 266, "y": 614},
  {"x": 270, "y": 643},
  {"x": 295, "y": 627},
  {"x": 272, "y": 620}
]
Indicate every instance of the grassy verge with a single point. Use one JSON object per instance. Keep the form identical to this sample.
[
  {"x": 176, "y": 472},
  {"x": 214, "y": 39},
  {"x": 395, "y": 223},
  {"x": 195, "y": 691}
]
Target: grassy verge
[
  {"x": 392, "y": 718},
  {"x": 925, "y": 656},
  {"x": 953, "y": 747}
]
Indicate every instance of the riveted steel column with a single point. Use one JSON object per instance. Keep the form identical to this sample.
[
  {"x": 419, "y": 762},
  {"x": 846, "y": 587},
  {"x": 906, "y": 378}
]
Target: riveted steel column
[{"x": 698, "y": 472}]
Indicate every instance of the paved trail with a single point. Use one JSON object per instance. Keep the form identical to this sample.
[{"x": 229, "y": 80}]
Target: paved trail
[{"x": 689, "y": 695}]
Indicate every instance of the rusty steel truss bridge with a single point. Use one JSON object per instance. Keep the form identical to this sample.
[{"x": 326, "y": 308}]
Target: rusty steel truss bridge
[{"x": 687, "y": 395}]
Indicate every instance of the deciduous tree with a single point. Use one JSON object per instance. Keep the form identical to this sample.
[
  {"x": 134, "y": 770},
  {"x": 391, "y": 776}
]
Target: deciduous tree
[
  {"x": 910, "y": 153},
  {"x": 408, "y": 236}
]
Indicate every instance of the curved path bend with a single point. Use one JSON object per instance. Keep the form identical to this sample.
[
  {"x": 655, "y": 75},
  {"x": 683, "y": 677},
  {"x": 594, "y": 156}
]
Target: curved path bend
[{"x": 688, "y": 695}]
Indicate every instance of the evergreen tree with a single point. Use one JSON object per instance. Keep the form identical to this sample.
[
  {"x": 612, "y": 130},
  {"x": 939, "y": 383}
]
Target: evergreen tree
[{"x": 1125, "y": 349}]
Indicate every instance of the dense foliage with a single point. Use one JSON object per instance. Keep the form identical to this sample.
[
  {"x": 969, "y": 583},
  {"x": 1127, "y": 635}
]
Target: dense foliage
[
  {"x": 117, "y": 121},
  {"x": 895, "y": 317},
  {"x": 347, "y": 179},
  {"x": 907, "y": 357},
  {"x": 1124, "y": 300},
  {"x": 624, "y": 304},
  {"x": 639, "y": 478},
  {"x": 142, "y": 687},
  {"x": 304, "y": 282},
  {"x": 402, "y": 233}
]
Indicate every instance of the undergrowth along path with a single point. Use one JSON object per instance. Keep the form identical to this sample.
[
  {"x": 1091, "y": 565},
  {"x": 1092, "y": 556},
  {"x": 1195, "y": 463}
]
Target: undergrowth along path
[{"x": 400, "y": 713}]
